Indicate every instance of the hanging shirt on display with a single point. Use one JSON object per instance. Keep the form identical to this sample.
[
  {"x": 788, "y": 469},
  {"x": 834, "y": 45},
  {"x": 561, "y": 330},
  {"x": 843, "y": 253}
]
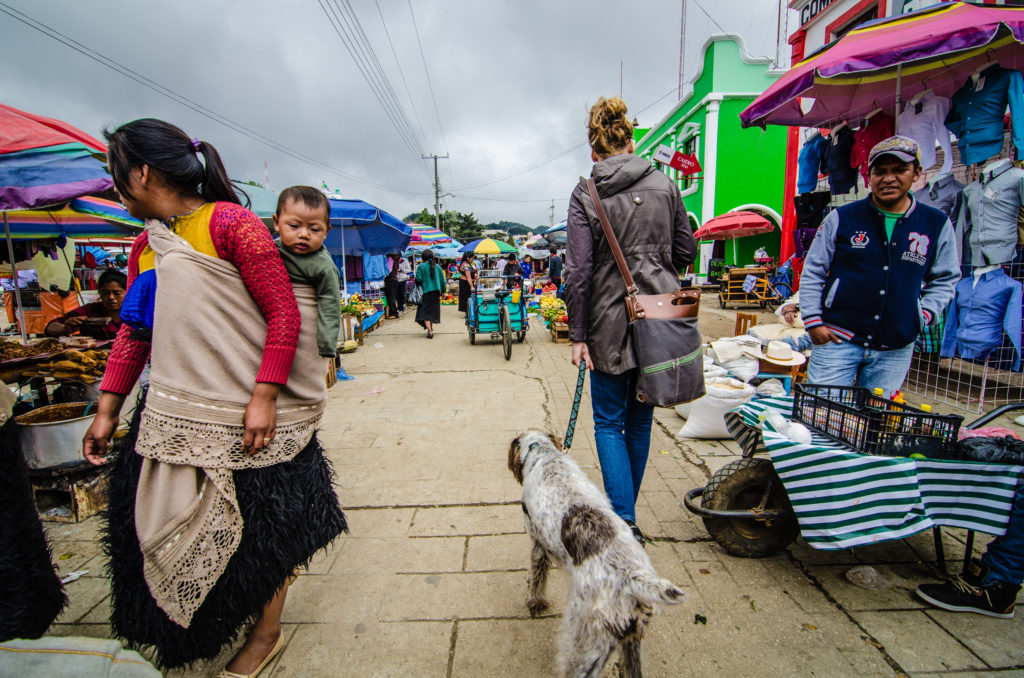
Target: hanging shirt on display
[
  {"x": 809, "y": 162},
  {"x": 981, "y": 311},
  {"x": 977, "y": 110},
  {"x": 878, "y": 128},
  {"x": 924, "y": 122},
  {"x": 375, "y": 266},
  {"x": 941, "y": 192},
  {"x": 836, "y": 161},
  {"x": 989, "y": 214}
]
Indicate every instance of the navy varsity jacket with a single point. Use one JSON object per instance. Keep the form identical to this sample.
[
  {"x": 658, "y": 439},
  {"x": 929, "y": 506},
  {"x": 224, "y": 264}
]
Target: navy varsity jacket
[{"x": 874, "y": 292}]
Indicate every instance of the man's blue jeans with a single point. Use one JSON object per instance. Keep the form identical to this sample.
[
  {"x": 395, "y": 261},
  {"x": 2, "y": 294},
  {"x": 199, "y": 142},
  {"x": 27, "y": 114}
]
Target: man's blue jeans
[
  {"x": 1005, "y": 555},
  {"x": 845, "y": 363},
  {"x": 622, "y": 430}
]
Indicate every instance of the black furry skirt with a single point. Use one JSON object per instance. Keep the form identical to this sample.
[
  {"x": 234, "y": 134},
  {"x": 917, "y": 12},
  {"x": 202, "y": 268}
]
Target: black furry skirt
[
  {"x": 290, "y": 511},
  {"x": 31, "y": 595}
]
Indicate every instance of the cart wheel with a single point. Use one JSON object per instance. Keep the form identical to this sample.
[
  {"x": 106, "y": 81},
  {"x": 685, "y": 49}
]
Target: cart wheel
[
  {"x": 506, "y": 332},
  {"x": 721, "y": 301},
  {"x": 740, "y": 485},
  {"x": 763, "y": 303},
  {"x": 472, "y": 337},
  {"x": 521, "y": 336},
  {"x": 784, "y": 291}
]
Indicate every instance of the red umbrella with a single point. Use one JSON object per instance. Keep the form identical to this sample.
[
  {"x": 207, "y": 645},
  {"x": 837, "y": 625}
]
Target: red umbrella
[{"x": 734, "y": 225}]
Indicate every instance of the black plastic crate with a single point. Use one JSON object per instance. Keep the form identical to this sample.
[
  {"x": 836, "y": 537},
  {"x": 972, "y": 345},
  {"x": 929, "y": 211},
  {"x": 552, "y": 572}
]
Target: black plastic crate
[{"x": 854, "y": 416}]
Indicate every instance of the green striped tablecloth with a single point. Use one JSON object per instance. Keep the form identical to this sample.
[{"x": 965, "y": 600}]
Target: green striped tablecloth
[{"x": 843, "y": 499}]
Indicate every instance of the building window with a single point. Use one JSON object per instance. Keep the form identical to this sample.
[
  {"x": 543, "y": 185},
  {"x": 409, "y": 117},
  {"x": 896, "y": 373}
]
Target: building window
[
  {"x": 868, "y": 15},
  {"x": 689, "y": 148}
]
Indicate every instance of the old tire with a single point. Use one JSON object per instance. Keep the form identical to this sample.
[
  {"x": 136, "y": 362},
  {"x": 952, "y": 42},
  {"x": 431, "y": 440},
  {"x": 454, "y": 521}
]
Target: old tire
[
  {"x": 521, "y": 336},
  {"x": 472, "y": 337},
  {"x": 721, "y": 300},
  {"x": 506, "y": 331},
  {"x": 740, "y": 485}
]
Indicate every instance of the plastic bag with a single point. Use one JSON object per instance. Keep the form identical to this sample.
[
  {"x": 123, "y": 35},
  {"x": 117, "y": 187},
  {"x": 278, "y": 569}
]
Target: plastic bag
[
  {"x": 707, "y": 414},
  {"x": 992, "y": 450}
]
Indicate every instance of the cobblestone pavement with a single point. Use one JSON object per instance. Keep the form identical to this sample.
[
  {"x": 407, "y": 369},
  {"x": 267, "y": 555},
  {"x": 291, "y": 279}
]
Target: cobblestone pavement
[{"x": 432, "y": 579}]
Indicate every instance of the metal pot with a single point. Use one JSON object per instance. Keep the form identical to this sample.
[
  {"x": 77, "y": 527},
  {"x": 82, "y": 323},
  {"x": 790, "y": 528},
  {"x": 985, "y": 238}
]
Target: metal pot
[{"x": 51, "y": 436}]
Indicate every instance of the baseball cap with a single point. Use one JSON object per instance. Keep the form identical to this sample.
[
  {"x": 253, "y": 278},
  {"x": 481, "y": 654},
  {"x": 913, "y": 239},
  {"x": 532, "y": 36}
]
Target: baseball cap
[{"x": 904, "y": 148}]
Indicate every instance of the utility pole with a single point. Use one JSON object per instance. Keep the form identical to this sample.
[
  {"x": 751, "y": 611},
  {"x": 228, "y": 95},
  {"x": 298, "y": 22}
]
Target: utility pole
[
  {"x": 437, "y": 190},
  {"x": 552, "y": 213},
  {"x": 682, "y": 52}
]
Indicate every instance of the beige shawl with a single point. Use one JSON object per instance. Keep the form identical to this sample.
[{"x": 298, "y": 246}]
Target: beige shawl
[{"x": 208, "y": 342}]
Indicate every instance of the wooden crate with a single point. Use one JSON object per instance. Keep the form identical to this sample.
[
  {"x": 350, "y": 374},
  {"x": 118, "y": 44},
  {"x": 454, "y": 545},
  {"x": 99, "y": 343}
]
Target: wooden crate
[
  {"x": 70, "y": 495},
  {"x": 559, "y": 333}
]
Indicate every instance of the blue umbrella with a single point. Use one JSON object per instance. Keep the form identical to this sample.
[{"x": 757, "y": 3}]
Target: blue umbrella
[{"x": 364, "y": 228}]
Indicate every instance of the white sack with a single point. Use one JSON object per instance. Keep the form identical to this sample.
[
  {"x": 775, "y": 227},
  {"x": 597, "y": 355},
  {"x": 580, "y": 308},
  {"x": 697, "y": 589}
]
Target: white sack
[{"x": 707, "y": 414}]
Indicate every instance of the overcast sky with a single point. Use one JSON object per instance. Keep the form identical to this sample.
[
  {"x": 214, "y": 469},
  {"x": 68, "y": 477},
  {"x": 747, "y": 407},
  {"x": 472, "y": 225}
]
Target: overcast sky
[{"x": 512, "y": 81}]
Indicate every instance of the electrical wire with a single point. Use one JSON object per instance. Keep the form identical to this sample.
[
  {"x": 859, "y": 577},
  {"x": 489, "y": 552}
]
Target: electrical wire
[
  {"x": 430, "y": 84},
  {"x": 394, "y": 53},
  {"x": 189, "y": 103},
  {"x": 346, "y": 25}
]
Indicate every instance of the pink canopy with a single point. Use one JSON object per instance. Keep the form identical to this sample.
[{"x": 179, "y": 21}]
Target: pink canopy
[
  {"x": 875, "y": 64},
  {"x": 733, "y": 225}
]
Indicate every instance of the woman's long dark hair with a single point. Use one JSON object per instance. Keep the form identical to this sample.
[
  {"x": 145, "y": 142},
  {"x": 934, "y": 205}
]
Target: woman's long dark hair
[
  {"x": 428, "y": 255},
  {"x": 170, "y": 152}
]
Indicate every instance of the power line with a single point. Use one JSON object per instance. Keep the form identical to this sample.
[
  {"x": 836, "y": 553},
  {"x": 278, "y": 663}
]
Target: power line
[
  {"x": 350, "y": 32},
  {"x": 557, "y": 156},
  {"x": 408, "y": 93},
  {"x": 185, "y": 101},
  {"x": 426, "y": 70}
]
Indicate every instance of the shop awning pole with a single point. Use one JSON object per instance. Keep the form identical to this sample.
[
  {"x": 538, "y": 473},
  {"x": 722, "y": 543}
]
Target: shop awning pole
[
  {"x": 344, "y": 265},
  {"x": 899, "y": 96},
  {"x": 19, "y": 311}
]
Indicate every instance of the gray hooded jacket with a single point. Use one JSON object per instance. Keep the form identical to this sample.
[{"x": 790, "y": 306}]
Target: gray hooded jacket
[{"x": 647, "y": 216}]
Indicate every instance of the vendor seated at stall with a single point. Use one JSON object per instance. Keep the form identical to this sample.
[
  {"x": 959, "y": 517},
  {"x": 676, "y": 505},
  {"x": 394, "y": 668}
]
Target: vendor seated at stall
[{"x": 89, "y": 320}]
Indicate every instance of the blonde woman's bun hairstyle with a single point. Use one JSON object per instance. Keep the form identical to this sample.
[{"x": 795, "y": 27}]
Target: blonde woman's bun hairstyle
[{"x": 609, "y": 130}]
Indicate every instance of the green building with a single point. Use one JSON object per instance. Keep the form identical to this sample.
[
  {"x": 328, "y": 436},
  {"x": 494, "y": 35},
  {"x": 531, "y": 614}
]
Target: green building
[{"x": 743, "y": 169}]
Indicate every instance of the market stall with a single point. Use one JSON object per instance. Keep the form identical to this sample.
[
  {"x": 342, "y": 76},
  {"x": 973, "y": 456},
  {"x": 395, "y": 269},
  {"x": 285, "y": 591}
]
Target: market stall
[{"x": 947, "y": 71}]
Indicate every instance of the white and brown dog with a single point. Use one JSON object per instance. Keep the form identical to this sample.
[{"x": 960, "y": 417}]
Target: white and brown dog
[{"x": 615, "y": 589}]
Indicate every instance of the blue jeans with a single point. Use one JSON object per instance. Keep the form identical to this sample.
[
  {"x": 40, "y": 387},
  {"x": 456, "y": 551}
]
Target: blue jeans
[
  {"x": 622, "y": 430},
  {"x": 1005, "y": 555},
  {"x": 845, "y": 363}
]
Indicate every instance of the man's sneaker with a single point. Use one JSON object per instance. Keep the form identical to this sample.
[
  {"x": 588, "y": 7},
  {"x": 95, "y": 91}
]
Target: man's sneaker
[
  {"x": 637, "y": 534},
  {"x": 974, "y": 573},
  {"x": 957, "y": 595}
]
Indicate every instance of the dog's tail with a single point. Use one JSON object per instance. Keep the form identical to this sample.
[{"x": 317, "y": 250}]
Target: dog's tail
[{"x": 653, "y": 590}]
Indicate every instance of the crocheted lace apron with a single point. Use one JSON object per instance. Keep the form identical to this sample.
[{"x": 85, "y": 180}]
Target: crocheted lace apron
[{"x": 208, "y": 340}]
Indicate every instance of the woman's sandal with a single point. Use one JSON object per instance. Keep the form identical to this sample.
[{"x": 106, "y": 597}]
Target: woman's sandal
[{"x": 224, "y": 673}]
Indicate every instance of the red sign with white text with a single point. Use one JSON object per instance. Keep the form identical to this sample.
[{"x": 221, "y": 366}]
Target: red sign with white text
[{"x": 687, "y": 164}]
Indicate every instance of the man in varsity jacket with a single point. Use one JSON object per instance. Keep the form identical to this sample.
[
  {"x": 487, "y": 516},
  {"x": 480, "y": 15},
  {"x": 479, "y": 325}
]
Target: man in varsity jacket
[{"x": 879, "y": 270}]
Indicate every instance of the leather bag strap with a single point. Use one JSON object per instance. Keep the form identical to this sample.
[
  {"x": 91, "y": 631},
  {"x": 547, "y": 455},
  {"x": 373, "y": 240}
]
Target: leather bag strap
[{"x": 631, "y": 287}]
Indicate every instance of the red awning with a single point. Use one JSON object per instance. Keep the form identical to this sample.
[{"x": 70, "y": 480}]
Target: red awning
[{"x": 734, "y": 225}]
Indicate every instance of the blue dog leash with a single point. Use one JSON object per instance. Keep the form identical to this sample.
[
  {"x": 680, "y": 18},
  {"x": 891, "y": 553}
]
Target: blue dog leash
[{"x": 574, "y": 414}]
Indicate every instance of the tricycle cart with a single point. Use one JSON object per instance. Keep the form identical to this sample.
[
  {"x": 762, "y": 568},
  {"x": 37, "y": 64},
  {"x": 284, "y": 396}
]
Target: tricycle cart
[
  {"x": 758, "y": 286},
  {"x": 747, "y": 509},
  {"x": 497, "y": 311}
]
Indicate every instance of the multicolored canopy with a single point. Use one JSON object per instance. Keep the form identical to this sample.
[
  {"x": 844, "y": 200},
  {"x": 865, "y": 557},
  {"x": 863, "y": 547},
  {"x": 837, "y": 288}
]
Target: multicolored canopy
[
  {"x": 892, "y": 59},
  {"x": 427, "y": 236},
  {"x": 46, "y": 162},
  {"x": 488, "y": 246},
  {"x": 81, "y": 218}
]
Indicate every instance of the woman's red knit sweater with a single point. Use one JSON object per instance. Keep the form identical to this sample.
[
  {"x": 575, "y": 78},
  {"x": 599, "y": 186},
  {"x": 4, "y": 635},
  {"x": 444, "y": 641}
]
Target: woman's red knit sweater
[{"x": 241, "y": 239}]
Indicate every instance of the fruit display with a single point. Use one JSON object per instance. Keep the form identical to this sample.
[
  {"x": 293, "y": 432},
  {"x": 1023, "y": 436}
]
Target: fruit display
[
  {"x": 449, "y": 299},
  {"x": 358, "y": 306},
  {"x": 85, "y": 365},
  {"x": 553, "y": 309}
]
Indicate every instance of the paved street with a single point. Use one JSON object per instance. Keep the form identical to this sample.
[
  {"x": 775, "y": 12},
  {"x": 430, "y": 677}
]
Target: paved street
[{"x": 432, "y": 579}]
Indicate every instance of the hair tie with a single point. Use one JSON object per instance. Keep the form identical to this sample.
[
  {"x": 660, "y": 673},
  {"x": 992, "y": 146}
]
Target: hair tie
[{"x": 195, "y": 143}]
